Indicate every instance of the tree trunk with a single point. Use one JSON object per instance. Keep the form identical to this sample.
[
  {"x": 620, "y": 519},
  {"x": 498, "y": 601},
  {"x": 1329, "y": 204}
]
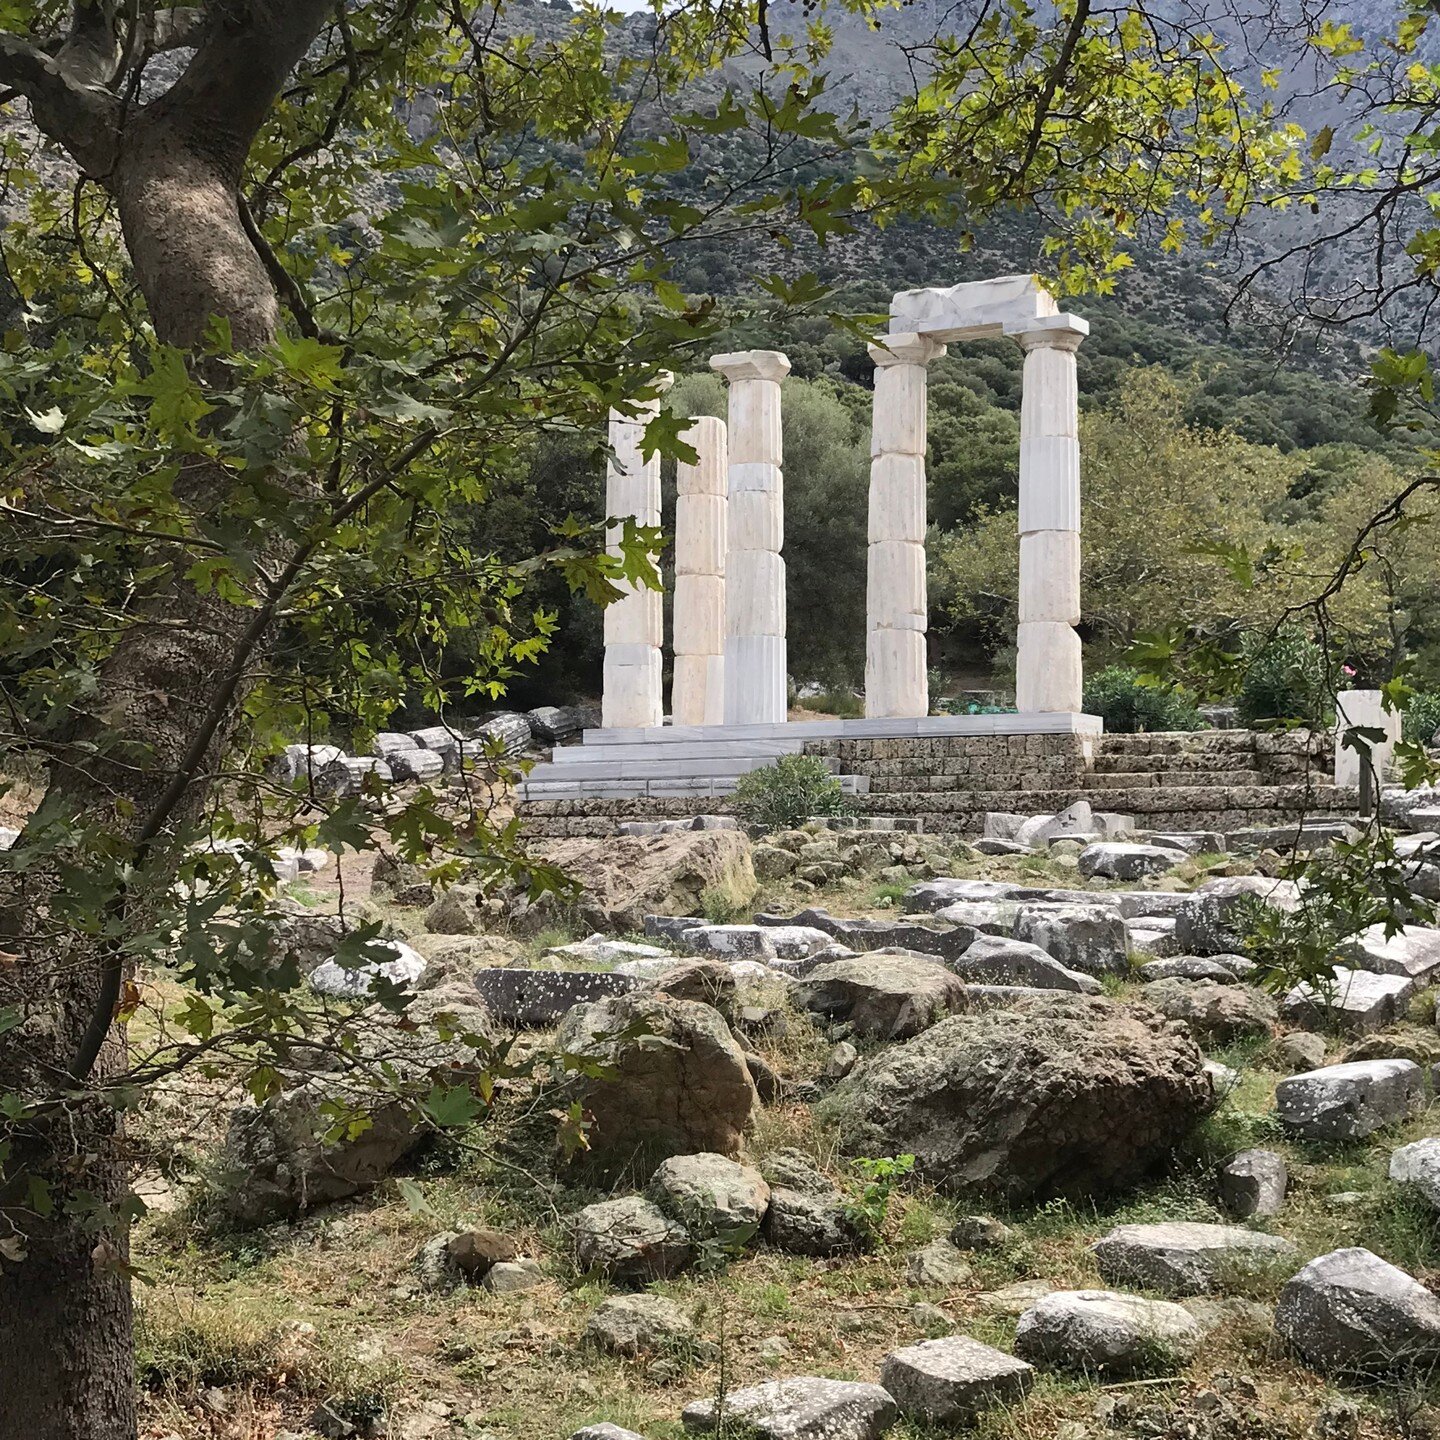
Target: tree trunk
[{"x": 66, "y": 1354}]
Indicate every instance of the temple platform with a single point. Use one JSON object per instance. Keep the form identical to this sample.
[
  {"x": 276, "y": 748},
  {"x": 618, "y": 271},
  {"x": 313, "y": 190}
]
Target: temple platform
[{"x": 946, "y": 772}]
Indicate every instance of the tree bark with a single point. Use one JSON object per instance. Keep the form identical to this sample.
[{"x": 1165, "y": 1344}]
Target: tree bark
[{"x": 66, "y": 1347}]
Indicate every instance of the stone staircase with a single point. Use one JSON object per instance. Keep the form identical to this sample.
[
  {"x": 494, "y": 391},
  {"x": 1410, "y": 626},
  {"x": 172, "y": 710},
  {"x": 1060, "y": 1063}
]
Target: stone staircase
[
  {"x": 1223, "y": 780},
  {"x": 1209, "y": 780}
]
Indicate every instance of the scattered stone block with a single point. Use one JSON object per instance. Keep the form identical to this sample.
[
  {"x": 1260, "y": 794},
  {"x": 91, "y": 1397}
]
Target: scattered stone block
[
  {"x": 1300, "y": 1050},
  {"x": 1186, "y": 967},
  {"x": 1217, "y": 1014},
  {"x": 630, "y": 1240},
  {"x": 952, "y": 1380},
  {"x": 980, "y": 1232},
  {"x": 1089, "y": 938},
  {"x": 1419, "y": 1165},
  {"x": 601, "y": 950},
  {"x": 635, "y": 1325},
  {"x": 1076, "y": 819},
  {"x": 1352, "y": 1315},
  {"x": 416, "y": 766},
  {"x": 1102, "y": 1332},
  {"x": 1253, "y": 1183},
  {"x": 455, "y": 912},
  {"x": 475, "y": 1252},
  {"x": 1357, "y": 1002},
  {"x": 1181, "y": 1258},
  {"x": 797, "y": 942},
  {"x": 527, "y": 999},
  {"x": 1113, "y": 861},
  {"x": 803, "y": 1408},
  {"x": 991, "y": 960},
  {"x": 730, "y": 942},
  {"x": 1413, "y": 951},
  {"x": 1213, "y": 918},
  {"x": 605, "y": 1431},
  {"x": 670, "y": 927},
  {"x": 405, "y": 968},
  {"x": 938, "y": 1265},
  {"x": 509, "y": 1277},
  {"x": 885, "y": 996},
  {"x": 1349, "y": 1102},
  {"x": 712, "y": 1196}
]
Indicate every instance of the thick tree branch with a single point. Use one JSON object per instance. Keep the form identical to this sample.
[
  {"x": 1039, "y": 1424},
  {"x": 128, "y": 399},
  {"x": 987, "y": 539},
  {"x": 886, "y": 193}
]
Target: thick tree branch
[
  {"x": 227, "y": 90},
  {"x": 78, "y": 116}
]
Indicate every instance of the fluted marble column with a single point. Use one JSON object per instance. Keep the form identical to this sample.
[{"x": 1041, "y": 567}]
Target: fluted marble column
[
  {"x": 635, "y": 624},
  {"x": 896, "y": 605},
  {"x": 697, "y": 691},
  {"x": 1049, "y": 671},
  {"x": 755, "y": 655}
]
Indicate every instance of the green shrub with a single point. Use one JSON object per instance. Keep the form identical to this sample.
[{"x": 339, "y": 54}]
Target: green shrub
[
  {"x": 1285, "y": 679},
  {"x": 1422, "y": 717},
  {"x": 787, "y": 793},
  {"x": 1127, "y": 705}
]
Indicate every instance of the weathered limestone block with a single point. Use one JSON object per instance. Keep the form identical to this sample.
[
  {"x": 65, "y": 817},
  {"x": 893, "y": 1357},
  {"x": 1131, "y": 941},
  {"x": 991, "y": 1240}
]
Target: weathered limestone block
[
  {"x": 1356, "y": 1002},
  {"x": 1253, "y": 1183},
  {"x": 952, "y": 1380},
  {"x": 1349, "y": 1102},
  {"x": 803, "y": 1408},
  {"x": 1105, "y": 1332},
  {"x": 1179, "y": 1258}
]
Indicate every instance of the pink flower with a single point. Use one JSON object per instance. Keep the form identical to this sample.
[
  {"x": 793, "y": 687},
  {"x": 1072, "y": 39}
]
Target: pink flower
[{"x": 1348, "y": 671}]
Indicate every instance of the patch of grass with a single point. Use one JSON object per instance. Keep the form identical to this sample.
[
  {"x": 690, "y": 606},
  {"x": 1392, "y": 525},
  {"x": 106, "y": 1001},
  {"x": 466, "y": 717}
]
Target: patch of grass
[
  {"x": 889, "y": 892},
  {"x": 722, "y": 905}
]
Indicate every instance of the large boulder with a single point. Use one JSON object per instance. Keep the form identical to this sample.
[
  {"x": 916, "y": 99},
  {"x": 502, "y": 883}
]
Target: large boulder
[
  {"x": 1217, "y": 1014},
  {"x": 671, "y": 1078},
  {"x": 884, "y": 996},
  {"x": 1045, "y": 1094},
  {"x": 803, "y": 1408},
  {"x": 1349, "y": 1102},
  {"x": 1352, "y": 1315},
  {"x": 1102, "y": 1332},
  {"x": 623, "y": 878},
  {"x": 1216, "y": 918},
  {"x": 1180, "y": 1258}
]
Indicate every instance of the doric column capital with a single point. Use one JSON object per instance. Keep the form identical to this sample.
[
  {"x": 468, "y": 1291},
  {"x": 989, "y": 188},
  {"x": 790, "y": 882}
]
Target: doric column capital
[
  {"x": 907, "y": 347},
  {"x": 752, "y": 365},
  {"x": 1054, "y": 332}
]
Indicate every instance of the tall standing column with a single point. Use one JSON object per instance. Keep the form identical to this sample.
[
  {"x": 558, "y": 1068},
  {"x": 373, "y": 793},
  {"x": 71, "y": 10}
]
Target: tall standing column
[
  {"x": 634, "y": 624},
  {"x": 755, "y": 656},
  {"x": 697, "y": 692},
  {"x": 896, "y": 604},
  {"x": 1049, "y": 671}
]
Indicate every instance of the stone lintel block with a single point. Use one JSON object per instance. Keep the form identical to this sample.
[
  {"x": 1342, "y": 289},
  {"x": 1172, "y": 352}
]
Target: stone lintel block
[
  {"x": 973, "y": 310},
  {"x": 699, "y": 615},
  {"x": 1050, "y": 576},
  {"x": 638, "y": 619},
  {"x": 895, "y": 594},
  {"x": 708, "y": 476},
  {"x": 701, "y": 534},
  {"x": 1049, "y": 483},
  {"x": 755, "y": 680},
  {"x": 896, "y": 683},
  {"x": 755, "y": 593},
  {"x": 756, "y": 521},
  {"x": 897, "y": 498},
  {"x": 1049, "y": 669},
  {"x": 899, "y": 418},
  {"x": 757, "y": 475}
]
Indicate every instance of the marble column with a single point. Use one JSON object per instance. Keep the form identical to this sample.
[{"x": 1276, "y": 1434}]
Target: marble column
[
  {"x": 755, "y": 655},
  {"x": 896, "y": 604},
  {"x": 1049, "y": 673},
  {"x": 697, "y": 692},
  {"x": 631, "y": 696}
]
